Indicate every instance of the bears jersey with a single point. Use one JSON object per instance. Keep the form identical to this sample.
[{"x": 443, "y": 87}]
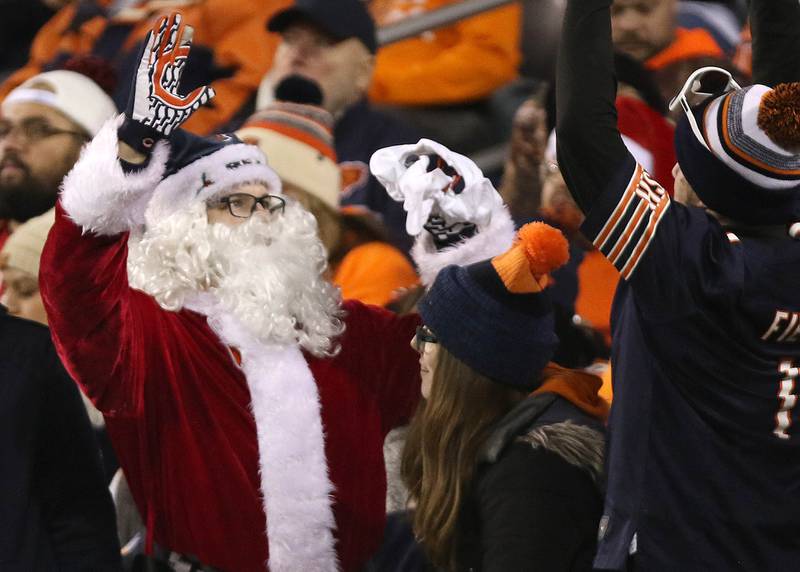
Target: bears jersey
[{"x": 705, "y": 425}]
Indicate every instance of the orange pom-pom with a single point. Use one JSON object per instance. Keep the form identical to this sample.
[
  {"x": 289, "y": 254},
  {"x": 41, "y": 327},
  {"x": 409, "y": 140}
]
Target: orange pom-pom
[
  {"x": 779, "y": 115},
  {"x": 545, "y": 247}
]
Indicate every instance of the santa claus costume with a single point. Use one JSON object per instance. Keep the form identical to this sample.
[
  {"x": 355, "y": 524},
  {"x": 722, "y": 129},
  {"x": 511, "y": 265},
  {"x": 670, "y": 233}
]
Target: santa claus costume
[{"x": 247, "y": 404}]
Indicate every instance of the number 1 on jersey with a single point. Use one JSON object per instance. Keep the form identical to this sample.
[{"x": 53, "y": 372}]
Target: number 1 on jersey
[{"x": 787, "y": 398}]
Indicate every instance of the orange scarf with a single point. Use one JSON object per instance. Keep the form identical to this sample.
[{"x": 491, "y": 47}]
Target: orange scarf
[{"x": 578, "y": 387}]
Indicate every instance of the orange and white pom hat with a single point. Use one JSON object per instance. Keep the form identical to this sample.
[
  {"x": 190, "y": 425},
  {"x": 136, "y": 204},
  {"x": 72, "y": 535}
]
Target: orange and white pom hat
[
  {"x": 297, "y": 139},
  {"x": 496, "y": 315}
]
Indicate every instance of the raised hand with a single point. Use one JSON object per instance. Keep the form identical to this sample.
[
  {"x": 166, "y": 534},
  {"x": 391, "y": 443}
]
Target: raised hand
[
  {"x": 156, "y": 108},
  {"x": 443, "y": 193}
]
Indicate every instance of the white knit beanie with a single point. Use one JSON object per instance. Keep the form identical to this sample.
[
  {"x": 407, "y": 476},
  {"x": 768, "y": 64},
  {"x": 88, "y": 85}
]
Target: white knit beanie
[
  {"x": 23, "y": 249},
  {"x": 73, "y": 94}
]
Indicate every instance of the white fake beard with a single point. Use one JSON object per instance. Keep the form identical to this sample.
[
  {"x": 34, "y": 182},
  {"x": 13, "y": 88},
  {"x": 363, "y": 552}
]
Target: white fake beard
[{"x": 267, "y": 272}]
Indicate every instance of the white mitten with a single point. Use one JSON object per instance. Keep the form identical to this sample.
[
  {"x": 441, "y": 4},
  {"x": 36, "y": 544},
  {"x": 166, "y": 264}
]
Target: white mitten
[{"x": 446, "y": 194}]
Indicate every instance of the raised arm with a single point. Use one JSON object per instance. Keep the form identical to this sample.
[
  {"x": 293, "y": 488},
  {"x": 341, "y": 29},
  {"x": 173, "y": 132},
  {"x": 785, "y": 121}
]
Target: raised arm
[
  {"x": 98, "y": 323},
  {"x": 591, "y": 152},
  {"x": 453, "y": 211},
  {"x": 775, "y": 26}
]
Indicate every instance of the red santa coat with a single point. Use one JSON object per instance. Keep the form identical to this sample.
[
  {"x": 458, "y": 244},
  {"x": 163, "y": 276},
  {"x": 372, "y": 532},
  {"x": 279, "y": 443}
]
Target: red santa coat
[{"x": 177, "y": 406}]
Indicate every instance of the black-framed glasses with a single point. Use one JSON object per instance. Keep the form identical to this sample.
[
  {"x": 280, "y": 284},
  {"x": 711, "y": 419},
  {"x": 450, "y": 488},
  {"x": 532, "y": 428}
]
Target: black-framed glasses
[
  {"x": 424, "y": 336},
  {"x": 243, "y": 205},
  {"x": 33, "y": 130}
]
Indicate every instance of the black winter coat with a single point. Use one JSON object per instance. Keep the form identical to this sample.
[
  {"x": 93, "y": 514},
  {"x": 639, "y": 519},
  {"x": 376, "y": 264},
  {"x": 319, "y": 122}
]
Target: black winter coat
[
  {"x": 536, "y": 500},
  {"x": 55, "y": 510}
]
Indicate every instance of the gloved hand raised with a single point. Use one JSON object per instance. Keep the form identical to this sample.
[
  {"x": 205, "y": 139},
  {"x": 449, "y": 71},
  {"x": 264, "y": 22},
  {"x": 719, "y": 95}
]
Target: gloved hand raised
[
  {"x": 445, "y": 195},
  {"x": 442, "y": 192},
  {"x": 155, "y": 107}
]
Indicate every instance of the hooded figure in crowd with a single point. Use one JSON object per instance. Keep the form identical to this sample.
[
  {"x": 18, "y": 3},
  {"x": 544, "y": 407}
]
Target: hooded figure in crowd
[{"x": 185, "y": 293}]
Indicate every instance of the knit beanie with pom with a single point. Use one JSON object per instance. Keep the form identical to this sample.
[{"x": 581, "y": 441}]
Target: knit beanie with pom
[
  {"x": 495, "y": 315},
  {"x": 750, "y": 170}
]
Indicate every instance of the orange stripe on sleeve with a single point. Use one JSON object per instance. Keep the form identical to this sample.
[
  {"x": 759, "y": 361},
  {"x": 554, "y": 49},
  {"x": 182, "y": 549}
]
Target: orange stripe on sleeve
[
  {"x": 623, "y": 241},
  {"x": 644, "y": 241},
  {"x": 619, "y": 211}
]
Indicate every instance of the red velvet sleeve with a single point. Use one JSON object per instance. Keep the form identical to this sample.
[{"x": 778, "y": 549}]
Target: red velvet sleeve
[
  {"x": 381, "y": 343},
  {"x": 96, "y": 320}
]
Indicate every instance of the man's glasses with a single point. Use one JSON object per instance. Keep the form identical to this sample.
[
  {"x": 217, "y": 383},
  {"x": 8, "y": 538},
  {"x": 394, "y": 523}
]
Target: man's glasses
[
  {"x": 243, "y": 205},
  {"x": 702, "y": 84},
  {"x": 422, "y": 337},
  {"x": 35, "y": 130}
]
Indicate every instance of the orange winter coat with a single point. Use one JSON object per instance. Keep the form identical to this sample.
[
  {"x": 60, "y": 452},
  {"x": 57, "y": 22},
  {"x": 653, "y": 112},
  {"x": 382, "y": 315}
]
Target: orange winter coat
[
  {"x": 460, "y": 63},
  {"x": 234, "y": 30}
]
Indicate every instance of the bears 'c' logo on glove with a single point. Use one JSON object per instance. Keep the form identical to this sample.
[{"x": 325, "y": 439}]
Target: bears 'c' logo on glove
[{"x": 156, "y": 102}]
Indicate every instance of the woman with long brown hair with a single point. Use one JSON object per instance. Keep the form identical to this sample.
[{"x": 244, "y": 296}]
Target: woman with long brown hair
[{"x": 504, "y": 455}]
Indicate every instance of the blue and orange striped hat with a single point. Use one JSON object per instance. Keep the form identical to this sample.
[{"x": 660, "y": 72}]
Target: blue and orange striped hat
[{"x": 748, "y": 166}]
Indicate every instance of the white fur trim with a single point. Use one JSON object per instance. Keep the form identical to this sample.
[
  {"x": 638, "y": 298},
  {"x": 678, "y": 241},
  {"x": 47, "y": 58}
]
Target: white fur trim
[
  {"x": 209, "y": 175},
  {"x": 99, "y": 196},
  {"x": 294, "y": 473},
  {"x": 495, "y": 239}
]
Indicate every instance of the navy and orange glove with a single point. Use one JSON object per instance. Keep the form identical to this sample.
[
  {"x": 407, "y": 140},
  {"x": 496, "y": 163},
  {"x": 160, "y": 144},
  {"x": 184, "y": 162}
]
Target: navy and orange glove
[{"x": 155, "y": 107}]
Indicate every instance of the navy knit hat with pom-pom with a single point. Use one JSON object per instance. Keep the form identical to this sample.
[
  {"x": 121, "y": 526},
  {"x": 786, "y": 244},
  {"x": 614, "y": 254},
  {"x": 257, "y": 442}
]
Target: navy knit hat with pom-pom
[
  {"x": 750, "y": 171},
  {"x": 495, "y": 316}
]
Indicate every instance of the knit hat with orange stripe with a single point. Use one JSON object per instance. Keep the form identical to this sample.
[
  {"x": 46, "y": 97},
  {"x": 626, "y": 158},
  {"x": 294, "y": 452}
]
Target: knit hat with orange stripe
[
  {"x": 297, "y": 139},
  {"x": 496, "y": 316},
  {"x": 752, "y": 172}
]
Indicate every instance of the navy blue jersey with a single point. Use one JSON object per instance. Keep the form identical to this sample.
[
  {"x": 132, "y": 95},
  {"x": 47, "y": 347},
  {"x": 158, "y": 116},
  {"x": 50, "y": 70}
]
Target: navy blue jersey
[{"x": 704, "y": 443}]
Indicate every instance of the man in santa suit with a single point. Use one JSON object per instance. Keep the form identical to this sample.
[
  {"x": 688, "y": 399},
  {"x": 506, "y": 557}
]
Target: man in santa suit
[{"x": 248, "y": 405}]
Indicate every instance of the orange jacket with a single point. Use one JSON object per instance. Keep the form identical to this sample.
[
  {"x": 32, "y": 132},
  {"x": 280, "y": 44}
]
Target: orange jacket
[
  {"x": 463, "y": 62},
  {"x": 373, "y": 272},
  {"x": 695, "y": 43},
  {"x": 233, "y": 29}
]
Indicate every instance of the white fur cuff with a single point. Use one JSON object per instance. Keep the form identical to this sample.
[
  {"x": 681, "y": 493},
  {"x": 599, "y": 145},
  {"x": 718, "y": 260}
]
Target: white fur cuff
[
  {"x": 99, "y": 196},
  {"x": 494, "y": 239}
]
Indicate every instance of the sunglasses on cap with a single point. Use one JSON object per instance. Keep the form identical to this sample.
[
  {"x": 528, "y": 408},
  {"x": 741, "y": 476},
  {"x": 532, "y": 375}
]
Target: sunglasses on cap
[{"x": 702, "y": 84}]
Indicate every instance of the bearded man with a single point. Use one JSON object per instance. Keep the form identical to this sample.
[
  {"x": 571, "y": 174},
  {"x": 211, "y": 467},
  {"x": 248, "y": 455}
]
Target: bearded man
[
  {"x": 185, "y": 294},
  {"x": 43, "y": 124}
]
